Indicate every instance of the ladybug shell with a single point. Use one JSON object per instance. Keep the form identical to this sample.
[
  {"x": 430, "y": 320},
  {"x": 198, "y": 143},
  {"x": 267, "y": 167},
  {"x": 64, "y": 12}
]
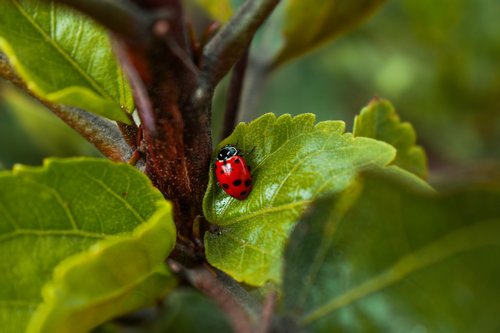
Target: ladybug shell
[{"x": 234, "y": 176}]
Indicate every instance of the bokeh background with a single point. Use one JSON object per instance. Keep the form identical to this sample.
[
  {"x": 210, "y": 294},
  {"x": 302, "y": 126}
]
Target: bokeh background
[{"x": 437, "y": 61}]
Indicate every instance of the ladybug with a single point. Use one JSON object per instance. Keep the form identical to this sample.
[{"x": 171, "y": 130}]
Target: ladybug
[{"x": 233, "y": 173}]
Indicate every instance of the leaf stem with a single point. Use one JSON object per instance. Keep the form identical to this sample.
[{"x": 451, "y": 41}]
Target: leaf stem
[
  {"x": 227, "y": 46},
  {"x": 102, "y": 133}
]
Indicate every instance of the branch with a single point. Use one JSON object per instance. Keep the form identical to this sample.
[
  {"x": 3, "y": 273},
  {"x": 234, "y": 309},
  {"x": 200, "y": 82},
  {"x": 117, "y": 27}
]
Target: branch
[
  {"x": 267, "y": 313},
  {"x": 174, "y": 110},
  {"x": 207, "y": 281},
  {"x": 227, "y": 46},
  {"x": 102, "y": 133}
]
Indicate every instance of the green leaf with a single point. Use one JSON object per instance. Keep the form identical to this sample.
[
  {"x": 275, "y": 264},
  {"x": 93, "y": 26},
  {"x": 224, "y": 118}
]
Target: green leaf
[
  {"x": 382, "y": 257},
  {"x": 81, "y": 241},
  {"x": 221, "y": 10},
  {"x": 293, "y": 161},
  {"x": 380, "y": 121},
  {"x": 64, "y": 57},
  {"x": 308, "y": 25}
]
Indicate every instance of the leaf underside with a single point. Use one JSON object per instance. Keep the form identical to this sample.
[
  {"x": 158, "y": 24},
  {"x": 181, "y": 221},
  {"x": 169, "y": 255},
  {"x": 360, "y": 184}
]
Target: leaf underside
[{"x": 382, "y": 257}]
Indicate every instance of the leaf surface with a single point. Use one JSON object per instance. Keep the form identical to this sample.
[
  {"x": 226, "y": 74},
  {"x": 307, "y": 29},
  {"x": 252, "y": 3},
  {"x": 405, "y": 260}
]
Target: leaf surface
[
  {"x": 81, "y": 241},
  {"x": 382, "y": 257},
  {"x": 380, "y": 121},
  {"x": 293, "y": 161},
  {"x": 221, "y": 10},
  {"x": 64, "y": 57},
  {"x": 308, "y": 25}
]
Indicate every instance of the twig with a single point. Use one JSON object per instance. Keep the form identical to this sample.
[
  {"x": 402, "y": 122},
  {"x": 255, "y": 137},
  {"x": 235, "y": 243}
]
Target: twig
[
  {"x": 206, "y": 281},
  {"x": 129, "y": 133},
  {"x": 267, "y": 313},
  {"x": 234, "y": 94},
  {"x": 227, "y": 46},
  {"x": 252, "y": 307},
  {"x": 102, "y": 133}
]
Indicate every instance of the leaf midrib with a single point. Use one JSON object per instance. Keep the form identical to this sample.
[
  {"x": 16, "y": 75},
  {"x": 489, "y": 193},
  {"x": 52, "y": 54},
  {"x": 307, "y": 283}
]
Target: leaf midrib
[
  {"x": 453, "y": 243},
  {"x": 62, "y": 52}
]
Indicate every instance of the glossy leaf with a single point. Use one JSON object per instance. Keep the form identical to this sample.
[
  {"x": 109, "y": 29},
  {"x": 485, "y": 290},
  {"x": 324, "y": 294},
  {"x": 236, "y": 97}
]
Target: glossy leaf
[
  {"x": 382, "y": 257},
  {"x": 308, "y": 25},
  {"x": 64, "y": 57},
  {"x": 221, "y": 10},
  {"x": 380, "y": 121},
  {"x": 293, "y": 161},
  {"x": 81, "y": 241}
]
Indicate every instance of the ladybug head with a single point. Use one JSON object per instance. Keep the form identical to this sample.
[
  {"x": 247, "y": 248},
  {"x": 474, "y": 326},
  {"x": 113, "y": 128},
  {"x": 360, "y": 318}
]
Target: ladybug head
[{"x": 227, "y": 152}]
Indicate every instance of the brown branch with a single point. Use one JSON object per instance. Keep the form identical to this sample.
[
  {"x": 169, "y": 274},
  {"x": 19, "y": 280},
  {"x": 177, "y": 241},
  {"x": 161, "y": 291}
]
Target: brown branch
[
  {"x": 267, "y": 313},
  {"x": 102, "y": 133},
  {"x": 129, "y": 133},
  {"x": 206, "y": 280},
  {"x": 174, "y": 110},
  {"x": 227, "y": 46}
]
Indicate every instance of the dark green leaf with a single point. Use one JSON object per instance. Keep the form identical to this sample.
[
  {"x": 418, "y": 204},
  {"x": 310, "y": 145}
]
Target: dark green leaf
[
  {"x": 81, "y": 241},
  {"x": 380, "y": 121},
  {"x": 308, "y": 25},
  {"x": 293, "y": 161},
  {"x": 382, "y": 257},
  {"x": 64, "y": 57}
]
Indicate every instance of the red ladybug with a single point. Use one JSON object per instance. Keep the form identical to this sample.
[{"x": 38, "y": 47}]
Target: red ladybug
[{"x": 233, "y": 173}]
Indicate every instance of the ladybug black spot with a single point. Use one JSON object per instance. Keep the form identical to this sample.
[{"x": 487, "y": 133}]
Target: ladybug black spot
[
  {"x": 225, "y": 186},
  {"x": 237, "y": 182},
  {"x": 248, "y": 182},
  {"x": 221, "y": 172},
  {"x": 243, "y": 193},
  {"x": 237, "y": 161}
]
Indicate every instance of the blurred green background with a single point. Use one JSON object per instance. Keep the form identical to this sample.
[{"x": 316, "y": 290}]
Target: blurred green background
[{"x": 438, "y": 62}]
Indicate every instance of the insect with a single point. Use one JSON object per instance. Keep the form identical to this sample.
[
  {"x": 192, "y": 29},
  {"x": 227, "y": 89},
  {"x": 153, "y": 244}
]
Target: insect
[{"x": 233, "y": 173}]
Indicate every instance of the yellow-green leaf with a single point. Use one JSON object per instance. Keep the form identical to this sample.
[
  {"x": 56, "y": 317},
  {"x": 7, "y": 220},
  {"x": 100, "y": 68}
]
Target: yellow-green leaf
[
  {"x": 293, "y": 161},
  {"x": 380, "y": 121},
  {"x": 309, "y": 24},
  {"x": 64, "y": 57},
  {"x": 81, "y": 241},
  {"x": 220, "y": 10}
]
